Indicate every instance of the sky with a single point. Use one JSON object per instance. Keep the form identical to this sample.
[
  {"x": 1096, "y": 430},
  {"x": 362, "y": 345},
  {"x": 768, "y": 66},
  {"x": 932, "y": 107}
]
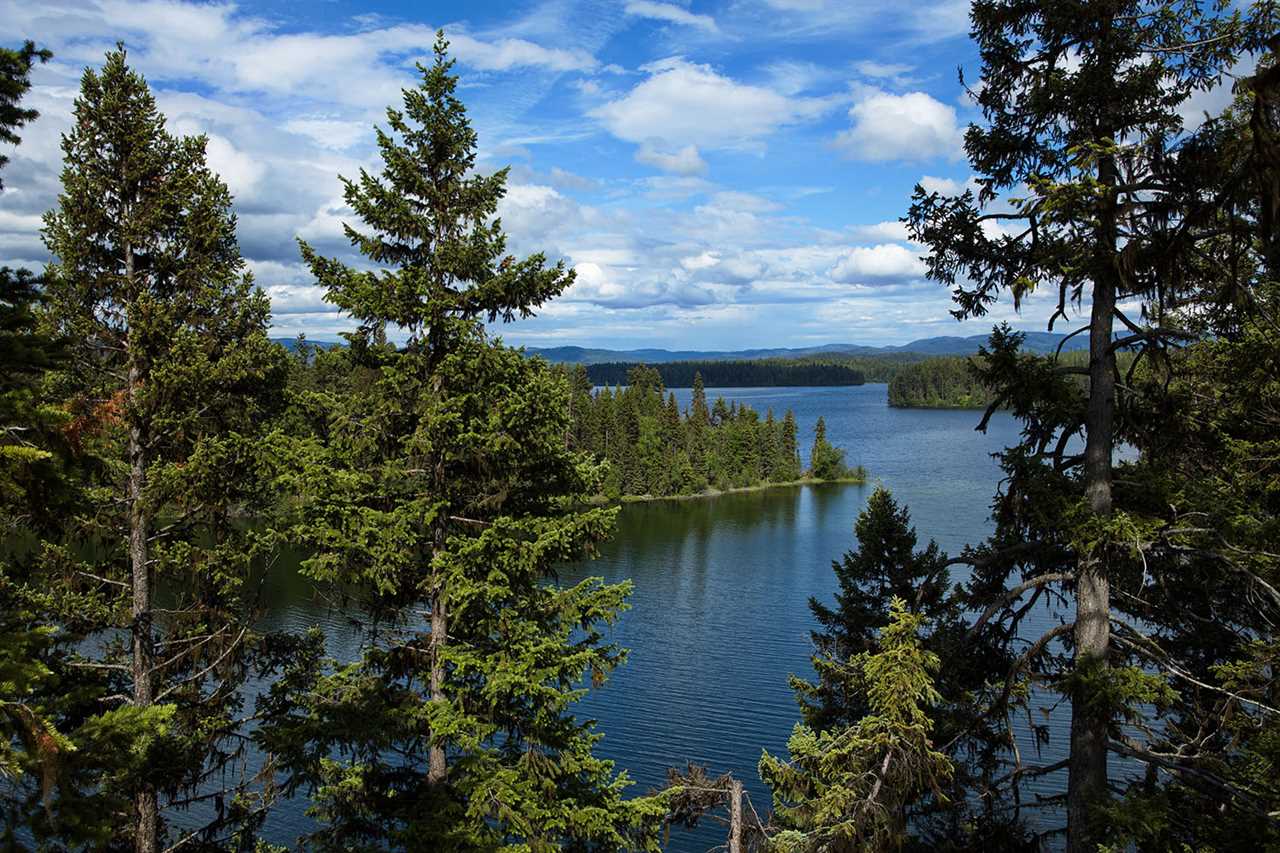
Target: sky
[{"x": 721, "y": 174}]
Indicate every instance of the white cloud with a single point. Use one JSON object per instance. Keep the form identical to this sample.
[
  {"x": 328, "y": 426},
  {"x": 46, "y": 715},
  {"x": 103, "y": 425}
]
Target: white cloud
[
  {"x": 331, "y": 133},
  {"x": 880, "y": 70},
  {"x": 671, "y": 13},
  {"x": 894, "y": 230},
  {"x": 682, "y": 103},
  {"x": 885, "y": 263},
  {"x": 943, "y": 186},
  {"x": 531, "y": 212},
  {"x": 683, "y": 161},
  {"x": 914, "y": 126},
  {"x": 505, "y": 54}
]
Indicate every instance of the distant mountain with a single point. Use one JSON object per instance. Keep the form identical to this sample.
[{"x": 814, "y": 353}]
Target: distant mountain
[
  {"x": 1041, "y": 342},
  {"x": 291, "y": 344}
]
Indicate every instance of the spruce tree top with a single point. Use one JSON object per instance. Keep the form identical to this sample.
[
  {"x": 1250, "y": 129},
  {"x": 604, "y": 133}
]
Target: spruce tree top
[{"x": 431, "y": 226}]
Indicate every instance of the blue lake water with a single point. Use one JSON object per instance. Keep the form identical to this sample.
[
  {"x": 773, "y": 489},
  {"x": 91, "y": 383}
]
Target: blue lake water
[{"x": 719, "y": 617}]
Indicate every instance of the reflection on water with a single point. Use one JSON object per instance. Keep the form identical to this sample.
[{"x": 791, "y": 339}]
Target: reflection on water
[{"x": 719, "y": 617}]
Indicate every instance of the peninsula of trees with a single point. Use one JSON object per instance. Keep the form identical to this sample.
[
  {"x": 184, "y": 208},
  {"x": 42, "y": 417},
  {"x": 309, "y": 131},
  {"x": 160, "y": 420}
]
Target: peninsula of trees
[{"x": 654, "y": 449}]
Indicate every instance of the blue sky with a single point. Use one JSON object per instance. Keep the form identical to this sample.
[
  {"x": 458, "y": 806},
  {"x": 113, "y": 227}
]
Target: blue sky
[{"x": 721, "y": 173}]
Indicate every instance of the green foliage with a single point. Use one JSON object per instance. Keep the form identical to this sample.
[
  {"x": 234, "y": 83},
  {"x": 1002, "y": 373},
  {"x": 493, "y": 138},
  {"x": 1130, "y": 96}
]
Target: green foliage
[
  {"x": 435, "y": 488},
  {"x": 826, "y": 462},
  {"x": 849, "y": 788},
  {"x": 938, "y": 383},
  {"x": 15, "y": 82},
  {"x": 162, "y": 382}
]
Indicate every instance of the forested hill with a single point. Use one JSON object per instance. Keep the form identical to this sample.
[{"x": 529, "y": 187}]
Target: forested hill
[
  {"x": 762, "y": 373},
  {"x": 1041, "y": 342}
]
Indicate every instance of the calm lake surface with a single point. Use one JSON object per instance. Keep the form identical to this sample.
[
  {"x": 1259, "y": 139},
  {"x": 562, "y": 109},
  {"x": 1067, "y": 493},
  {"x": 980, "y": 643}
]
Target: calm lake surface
[{"x": 719, "y": 616}]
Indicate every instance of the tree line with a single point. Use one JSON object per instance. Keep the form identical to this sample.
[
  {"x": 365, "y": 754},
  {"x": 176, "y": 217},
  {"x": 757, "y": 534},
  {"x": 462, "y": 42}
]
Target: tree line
[
  {"x": 436, "y": 484},
  {"x": 752, "y": 373},
  {"x": 653, "y": 448}
]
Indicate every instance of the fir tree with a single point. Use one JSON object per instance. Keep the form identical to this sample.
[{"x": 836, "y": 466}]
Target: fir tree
[
  {"x": 826, "y": 462},
  {"x": 15, "y": 82},
  {"x": 169, "y": 374},
  {"x": 886, "y": 565},
  {"x": 1118, "y": 202},
  {"x": 446, "y": 486},
  {"x": 849, "y": 789},
  {"x": 789, "y": 449}
]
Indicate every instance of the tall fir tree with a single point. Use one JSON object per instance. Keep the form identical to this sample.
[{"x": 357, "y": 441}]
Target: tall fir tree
[
  {"x": 1118, "y": 202},
  {"x": 445, "y": 489},
  {"x": 826, "y": 462},
  {"x": 169, "y": 374}
]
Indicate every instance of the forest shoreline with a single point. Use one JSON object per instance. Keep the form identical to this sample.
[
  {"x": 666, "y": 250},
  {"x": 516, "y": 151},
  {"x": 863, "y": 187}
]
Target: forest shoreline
[{"x": 710, "y": 492}]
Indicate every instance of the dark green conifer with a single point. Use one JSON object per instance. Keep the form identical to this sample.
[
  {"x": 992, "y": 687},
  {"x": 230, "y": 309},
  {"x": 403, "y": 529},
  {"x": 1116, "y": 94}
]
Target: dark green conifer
[
  {"x": 445, "y": 489},
  {"x": 169, "y": 376}
]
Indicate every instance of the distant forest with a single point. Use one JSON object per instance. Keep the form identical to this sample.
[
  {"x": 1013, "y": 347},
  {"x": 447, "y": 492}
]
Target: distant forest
[
  {"x": 938, "y": 383},
  {"x": 755, "y": 373}
]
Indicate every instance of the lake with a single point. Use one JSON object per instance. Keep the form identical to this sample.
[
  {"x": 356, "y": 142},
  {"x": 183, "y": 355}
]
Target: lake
[{"x": 719, "y": 616}]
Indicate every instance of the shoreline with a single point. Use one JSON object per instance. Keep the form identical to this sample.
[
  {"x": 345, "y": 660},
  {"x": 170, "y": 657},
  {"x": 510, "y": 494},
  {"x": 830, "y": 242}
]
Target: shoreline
[{"x": 715, "y": 493}]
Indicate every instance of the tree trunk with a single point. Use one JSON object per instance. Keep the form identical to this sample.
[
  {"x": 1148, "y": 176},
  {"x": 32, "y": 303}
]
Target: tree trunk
[
  {"x": 437, "y": 768},
  {"x": 1090, "y": 720},
  {"x": 142, "y": 670},
  {"x": 735, "y": 816}
]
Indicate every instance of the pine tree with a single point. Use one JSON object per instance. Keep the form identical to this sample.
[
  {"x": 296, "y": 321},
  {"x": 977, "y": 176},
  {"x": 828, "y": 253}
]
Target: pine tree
[
  {"x": 15, "y": 82},
  {"x": 699, "y": 425},
  {"x": 37, "y": 497},
  {"x": 826, "y": 462},
  {"x": 1118, "y": 202},
  {"x": 446, "y": 489},
  {"x": 170, "y": 372},
  {"x": 849, "y": 789},
  {"x": 886, "y": 565},
  {"x": 789, "y": 449}
]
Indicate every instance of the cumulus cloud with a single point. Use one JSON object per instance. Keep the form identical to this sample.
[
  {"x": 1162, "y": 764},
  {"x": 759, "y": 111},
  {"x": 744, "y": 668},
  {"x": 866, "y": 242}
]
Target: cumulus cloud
[
  {"x": 884, "y": 263},
  {"x": 914, "y": 126},
  {"x": 672, "y": 14},
  {"x": 683, "y": 161},
  {"x": 943, "y": 186},
  {"x": 894, "y": 230},
  {"x": 681, "y": 103},
  {"x": 533, "y": 211}
]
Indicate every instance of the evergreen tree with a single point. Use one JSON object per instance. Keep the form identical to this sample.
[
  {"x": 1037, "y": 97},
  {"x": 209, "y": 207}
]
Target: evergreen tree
[
  {"x": 885, "y": 566},
  {"x": 447, "y": 486},
  {"x": 1118, "y": 202},
  {"x": 699, "y": 425},
  {"x": 849, "y": 789},
  {"x": 789, "y": 449},
  {"x": 37, "y": 496},
  {"x": 15, "y": 82},
  {"x": 169, "y": 373},
  {"x": 826, "y": 462}
]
